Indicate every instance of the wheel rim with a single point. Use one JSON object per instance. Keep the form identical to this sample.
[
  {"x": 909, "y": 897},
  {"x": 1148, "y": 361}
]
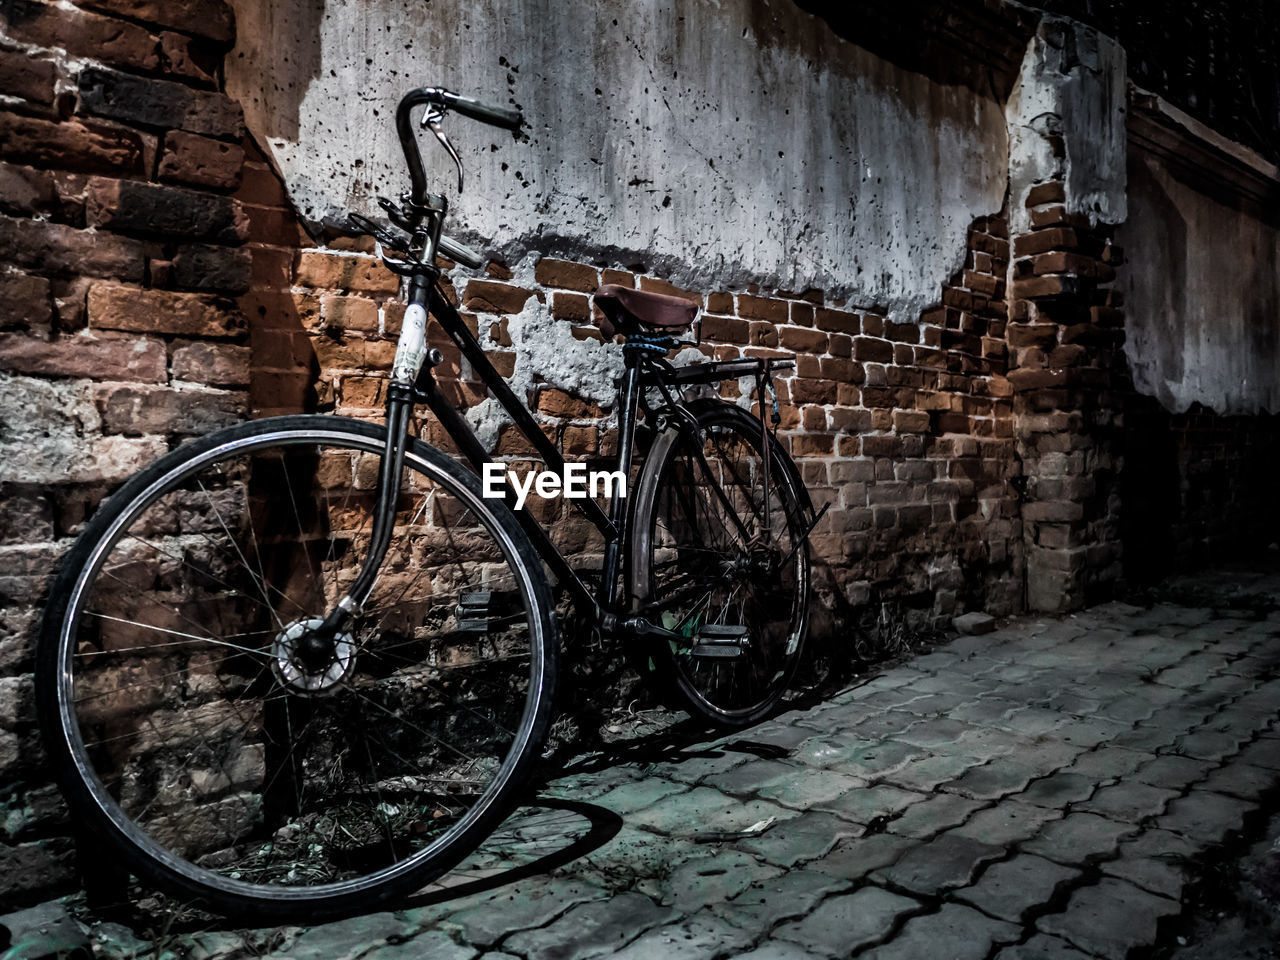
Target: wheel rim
[
  {"x": 202, "y": 750},
  {"x": 705, "y": 570}
]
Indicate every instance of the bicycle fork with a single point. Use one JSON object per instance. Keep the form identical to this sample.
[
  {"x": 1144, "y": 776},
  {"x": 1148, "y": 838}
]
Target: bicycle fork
[{"x": 411, "y": 354}]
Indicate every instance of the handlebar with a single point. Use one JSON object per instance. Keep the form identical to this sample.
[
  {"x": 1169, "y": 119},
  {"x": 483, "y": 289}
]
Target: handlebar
[
  {"x": 440, "y": 97},
  {"x": 484, "y": 112}
]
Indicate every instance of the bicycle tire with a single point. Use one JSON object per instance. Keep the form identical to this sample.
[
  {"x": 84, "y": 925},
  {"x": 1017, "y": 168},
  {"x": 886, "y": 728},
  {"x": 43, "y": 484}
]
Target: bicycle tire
[
  {"x": 239, "y": 774},
  {"x": 673, "y": 550}
]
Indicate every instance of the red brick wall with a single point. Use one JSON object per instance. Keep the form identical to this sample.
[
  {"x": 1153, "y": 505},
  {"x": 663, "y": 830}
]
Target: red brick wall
[
  {"x": 121, "y": 255},
  {"x": 905, "y": 428}
]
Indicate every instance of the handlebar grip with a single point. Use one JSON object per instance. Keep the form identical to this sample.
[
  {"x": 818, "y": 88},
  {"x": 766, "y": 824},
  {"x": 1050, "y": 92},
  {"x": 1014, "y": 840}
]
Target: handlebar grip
[
  {"x": 461, "y": 254},
  {"x": 484, "y": 112}
]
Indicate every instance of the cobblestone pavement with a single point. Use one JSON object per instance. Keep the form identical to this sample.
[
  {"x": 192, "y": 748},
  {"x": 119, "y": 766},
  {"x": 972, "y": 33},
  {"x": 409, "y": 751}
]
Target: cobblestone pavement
[{"x": 1039, "y": 792}]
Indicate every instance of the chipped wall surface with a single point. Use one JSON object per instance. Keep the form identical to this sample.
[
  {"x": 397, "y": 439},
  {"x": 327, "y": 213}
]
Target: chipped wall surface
[
  {"x": 1066, "y": 116},
  {"x": 720, "y": 142},
  {"x": 1202, "y": 288}
]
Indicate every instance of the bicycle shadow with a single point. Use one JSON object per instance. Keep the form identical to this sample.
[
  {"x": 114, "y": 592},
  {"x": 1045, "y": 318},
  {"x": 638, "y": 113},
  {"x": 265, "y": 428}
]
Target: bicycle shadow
[{"x": 524, "y": 834}]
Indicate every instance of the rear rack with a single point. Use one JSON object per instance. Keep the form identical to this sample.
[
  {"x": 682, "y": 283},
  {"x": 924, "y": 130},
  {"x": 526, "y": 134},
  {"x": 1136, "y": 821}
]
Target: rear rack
[{"x": 718, "y": 370}]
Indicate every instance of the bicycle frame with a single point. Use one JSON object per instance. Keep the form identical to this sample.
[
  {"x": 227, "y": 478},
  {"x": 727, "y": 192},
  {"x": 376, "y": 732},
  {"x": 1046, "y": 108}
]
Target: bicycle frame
[
  {"x": 643, "y": 369},
  {"x": 645, "y": 366}
]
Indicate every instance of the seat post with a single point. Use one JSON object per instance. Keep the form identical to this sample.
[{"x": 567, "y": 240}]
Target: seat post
[{"x": 628, "y": 401}]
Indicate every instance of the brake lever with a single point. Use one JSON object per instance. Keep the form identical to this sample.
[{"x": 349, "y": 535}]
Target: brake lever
[{"x": 432, "y": 119}]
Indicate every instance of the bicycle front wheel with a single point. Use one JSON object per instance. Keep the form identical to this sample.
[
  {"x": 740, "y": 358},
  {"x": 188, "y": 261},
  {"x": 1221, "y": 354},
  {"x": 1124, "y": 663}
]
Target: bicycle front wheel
[
  {"x": 228, "y": 762},
  {"x": 713, "y": 565}
]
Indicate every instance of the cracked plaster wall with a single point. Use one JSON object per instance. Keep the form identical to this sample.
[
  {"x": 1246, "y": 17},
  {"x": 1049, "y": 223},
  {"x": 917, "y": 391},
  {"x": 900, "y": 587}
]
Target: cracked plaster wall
[
  {"x": 1066, "y": 116},
  {"x": 722, "y": 143},
  {"x": 1202, "y": 297}
]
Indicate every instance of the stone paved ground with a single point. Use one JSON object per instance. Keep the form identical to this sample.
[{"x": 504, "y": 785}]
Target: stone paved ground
[{"x": 1040, "y": 792}]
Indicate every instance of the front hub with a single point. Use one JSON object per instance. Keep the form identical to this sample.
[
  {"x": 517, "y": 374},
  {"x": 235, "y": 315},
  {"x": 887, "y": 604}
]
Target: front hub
[{"x": 295, "y": 663}]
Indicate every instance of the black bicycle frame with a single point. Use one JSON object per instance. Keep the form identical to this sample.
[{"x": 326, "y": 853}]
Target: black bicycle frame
[
  {"x": 612, "y": 526},
  {"x": 641, "y": 370}
]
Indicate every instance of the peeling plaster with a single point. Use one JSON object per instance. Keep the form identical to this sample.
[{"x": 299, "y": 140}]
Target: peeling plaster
[
  {"x": 546, "y": 353},
  {"x": 1066, "y": 121},
  {"x": 672, "y": 138},
  {"x": 1202, "y": 297}
]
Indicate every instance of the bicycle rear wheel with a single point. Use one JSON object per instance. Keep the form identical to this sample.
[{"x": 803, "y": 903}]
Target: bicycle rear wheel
[
  {"x": 707, "y": 566},
  {"x": 191, "y": 731}
]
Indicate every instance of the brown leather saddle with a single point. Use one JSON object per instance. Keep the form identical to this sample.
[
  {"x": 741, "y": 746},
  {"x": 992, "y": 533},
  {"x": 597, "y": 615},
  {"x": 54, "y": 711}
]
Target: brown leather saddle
[{"x": 626, "y": 310}]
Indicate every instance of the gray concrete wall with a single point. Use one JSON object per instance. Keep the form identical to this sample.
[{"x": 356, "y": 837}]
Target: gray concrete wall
[
  {"x": 1202, "y": 286},
  {"x": 725, "y": 142}
]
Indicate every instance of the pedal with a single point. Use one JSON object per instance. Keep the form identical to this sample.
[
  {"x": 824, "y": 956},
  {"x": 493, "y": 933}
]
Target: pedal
[
  {"x": 472, "y": 611},
  {"x": 720, "y": 641}
]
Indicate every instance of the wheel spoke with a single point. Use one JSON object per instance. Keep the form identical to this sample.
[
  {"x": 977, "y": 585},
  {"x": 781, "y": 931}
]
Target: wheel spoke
[{"x": 225, "y": 741}]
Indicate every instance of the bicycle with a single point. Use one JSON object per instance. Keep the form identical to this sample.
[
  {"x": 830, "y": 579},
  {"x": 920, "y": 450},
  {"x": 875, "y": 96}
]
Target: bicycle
[{"x": 301, "y": 665}]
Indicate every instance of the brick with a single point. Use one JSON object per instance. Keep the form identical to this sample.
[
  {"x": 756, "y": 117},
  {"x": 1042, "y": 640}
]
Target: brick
[
  {"x": 89, "y": 355},
  {"x": 1058, "y": 261},
  {"x": 504, "y": 363},
  {"x": 763, "y": 333},
  {"x": 1041, "y": 241},
  {"x": 126, "y": 206},
  {"x": 206, "y": 267},
  {"x": 27, "y": 77},
  {"x": 837, "y": 321},
  {"x": 902, "y": 332},
  {"x": 24, "y": 190},
  {"x": 216, "y": 364},
  {"x": 802, "y": 339},
  {"x": 92, "y": 35},
  {"x": 275, "y": 226},
  {"x": 762, "y": 308},
  {"x": 1025, "y": 379},
  {"x": 840, "y": 369},
  {"x": 139, "y": 410},
  {"x": 488, "y": 296},
  {"x": 1055, "y": 215},
  {"x": 567, "y": 275},
  {"x": 802, "y": 314},
  {"x": 719, "y": 303},
  {"x": 911, "y": 421},
  {"x": 725, "y": 329},
  {"x": 620, "y": 278},
  {"x": 1052, "y": 192},
  {"x": 260, "y": 185},
  {"x": 24, "y": 301},
  {"x": 558, "y": 403},
  {"x": 349, "y": 313},
  {"x": 213, "y": 19},
  {"x": 1042, "y": 335},
  {"x": 658, "y": 285},
  {"x": 872, "y": 350},
  {"x": 191, "y": 57},
  {"x": 191, "y": 158},
  {"x": 1035, "y": 288},
  {"x": 114, "y": 306},
  {"x": 55, "y": 248},
  {"x": 317, "y": 268},
  {"x": 165, "y": 104},
  {"x": 574, "y": 307},
  {"x": 70, "y": 145}
]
